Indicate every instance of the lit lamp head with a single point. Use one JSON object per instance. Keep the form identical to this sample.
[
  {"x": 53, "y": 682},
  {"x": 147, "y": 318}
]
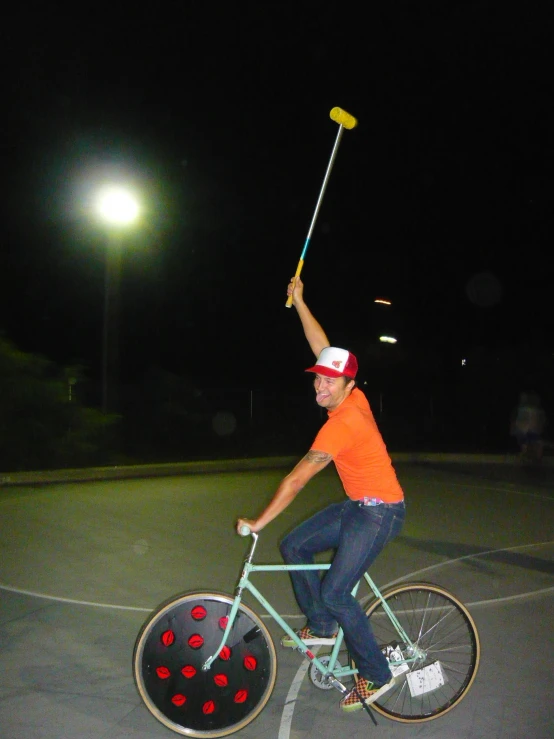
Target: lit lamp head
[{"x": 117, "y": 206}]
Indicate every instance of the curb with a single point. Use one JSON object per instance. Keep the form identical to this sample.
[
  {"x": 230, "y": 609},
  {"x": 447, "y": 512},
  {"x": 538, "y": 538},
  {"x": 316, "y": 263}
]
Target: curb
[{"x": 122, "y": 472}]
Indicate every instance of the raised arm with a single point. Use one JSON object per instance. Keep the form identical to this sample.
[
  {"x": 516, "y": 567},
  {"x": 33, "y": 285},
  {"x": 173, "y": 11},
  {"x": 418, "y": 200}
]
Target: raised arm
[{"x": 317, "y": 339}]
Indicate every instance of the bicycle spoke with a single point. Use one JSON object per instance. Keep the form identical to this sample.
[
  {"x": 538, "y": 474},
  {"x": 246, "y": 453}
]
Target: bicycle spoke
[{"x": 445, "y": 635}]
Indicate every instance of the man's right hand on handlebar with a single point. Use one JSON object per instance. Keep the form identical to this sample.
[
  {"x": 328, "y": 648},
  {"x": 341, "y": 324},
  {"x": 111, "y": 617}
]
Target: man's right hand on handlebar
[{"x": 251, "y": 525}]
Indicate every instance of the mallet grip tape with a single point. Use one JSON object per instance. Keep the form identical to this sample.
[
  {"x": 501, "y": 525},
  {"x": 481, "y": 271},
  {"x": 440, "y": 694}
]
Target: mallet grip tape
[{"x": 298, "y": 271}]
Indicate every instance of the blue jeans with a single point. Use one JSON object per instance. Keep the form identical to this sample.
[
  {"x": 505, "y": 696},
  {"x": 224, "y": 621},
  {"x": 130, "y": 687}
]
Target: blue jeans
[{"x": 358, "y": 534}]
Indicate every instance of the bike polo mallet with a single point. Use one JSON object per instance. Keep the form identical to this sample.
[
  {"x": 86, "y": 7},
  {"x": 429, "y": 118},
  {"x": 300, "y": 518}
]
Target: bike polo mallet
[{"x": 345, "y": 120}]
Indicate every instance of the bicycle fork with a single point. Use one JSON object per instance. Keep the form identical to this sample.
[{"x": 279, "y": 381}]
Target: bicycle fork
[{"x": 236, "y": 603}]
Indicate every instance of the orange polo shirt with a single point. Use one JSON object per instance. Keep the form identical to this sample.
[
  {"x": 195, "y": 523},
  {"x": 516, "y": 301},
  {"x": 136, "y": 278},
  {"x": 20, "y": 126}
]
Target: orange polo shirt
[{"x": 351, "y": 436}]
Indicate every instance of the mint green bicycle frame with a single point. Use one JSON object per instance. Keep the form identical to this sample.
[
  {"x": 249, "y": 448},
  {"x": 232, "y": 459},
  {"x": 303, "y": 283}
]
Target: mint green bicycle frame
[{"x": 328, "y": 670}]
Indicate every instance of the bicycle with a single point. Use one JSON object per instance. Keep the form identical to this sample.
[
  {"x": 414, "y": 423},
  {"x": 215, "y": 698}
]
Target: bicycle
[{"x": 204, "y": 663}]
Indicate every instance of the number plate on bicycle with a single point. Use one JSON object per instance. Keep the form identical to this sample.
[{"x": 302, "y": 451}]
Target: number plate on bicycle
[{"x": 425, "y": 680}]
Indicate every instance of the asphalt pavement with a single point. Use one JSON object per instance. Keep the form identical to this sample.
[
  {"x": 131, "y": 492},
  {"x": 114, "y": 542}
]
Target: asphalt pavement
[{"x": 85, "y": 557}]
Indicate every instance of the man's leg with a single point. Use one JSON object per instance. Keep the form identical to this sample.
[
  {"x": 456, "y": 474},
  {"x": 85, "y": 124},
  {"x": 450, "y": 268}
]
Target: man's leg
[
  {"x": 364, "y": 532},
  {"x": 318, "y": 534}
]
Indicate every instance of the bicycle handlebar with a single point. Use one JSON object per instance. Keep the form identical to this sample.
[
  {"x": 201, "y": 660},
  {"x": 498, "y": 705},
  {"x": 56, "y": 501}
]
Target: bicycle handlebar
[{"x": 244, "y": 530}]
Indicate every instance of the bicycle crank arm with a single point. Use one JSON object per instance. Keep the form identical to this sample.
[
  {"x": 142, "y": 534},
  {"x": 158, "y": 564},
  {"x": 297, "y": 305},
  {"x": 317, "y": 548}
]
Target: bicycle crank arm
[
  {"x": 370, "y": 713},
  {"x": 343, "y": 689},
  {"x": 336, "y": 683},
  {"x": 366, "y": 708}
]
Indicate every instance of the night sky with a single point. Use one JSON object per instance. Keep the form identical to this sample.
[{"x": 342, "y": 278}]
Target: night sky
[{"x": 218, "y": 115}]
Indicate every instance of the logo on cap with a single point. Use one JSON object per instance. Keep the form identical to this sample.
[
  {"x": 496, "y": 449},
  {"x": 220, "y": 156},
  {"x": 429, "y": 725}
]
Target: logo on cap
[{"x": 336, "y": 363}]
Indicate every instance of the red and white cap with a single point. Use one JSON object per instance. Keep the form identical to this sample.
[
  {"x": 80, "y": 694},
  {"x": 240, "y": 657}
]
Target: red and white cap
[{"x": 334, "y": 362}]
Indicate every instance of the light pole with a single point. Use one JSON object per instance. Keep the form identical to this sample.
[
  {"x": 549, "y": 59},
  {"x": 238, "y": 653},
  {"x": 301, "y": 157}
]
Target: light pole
[{"x": 118, "y": 209}]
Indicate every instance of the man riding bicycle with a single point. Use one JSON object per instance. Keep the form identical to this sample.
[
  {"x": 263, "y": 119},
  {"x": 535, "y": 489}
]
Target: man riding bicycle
[{"x": 357, "y": 529}]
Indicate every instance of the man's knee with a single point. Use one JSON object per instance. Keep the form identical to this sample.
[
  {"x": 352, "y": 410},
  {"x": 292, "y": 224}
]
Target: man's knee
[
  {"x": 334, "y": 601},
  {"x": 287, "y": 549},
  {"x": 293, "y": 550}
]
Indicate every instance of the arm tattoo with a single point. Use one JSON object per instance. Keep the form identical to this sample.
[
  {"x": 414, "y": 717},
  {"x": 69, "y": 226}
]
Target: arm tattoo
[{"x": 317, "y": 457}]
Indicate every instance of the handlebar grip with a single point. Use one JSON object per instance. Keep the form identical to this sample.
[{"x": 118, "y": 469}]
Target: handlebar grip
[{"x": 244, "y": 530}]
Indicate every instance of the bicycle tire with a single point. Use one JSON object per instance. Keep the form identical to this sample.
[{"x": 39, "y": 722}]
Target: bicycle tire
[
  {"x": 173, "y": 644},
  {"x": 435, "y": 620}
]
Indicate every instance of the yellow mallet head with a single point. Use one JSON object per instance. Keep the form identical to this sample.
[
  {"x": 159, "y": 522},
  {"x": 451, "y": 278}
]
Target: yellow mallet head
[{"x": 343, "y": 118}]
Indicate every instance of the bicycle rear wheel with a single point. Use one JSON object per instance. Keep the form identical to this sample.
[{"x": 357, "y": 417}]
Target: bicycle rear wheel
[
  {"x": 442, "y": 627},
  {"x": 171, "y": 648}
]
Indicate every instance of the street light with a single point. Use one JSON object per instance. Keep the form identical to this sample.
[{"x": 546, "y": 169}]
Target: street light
[{"x": 118, "y": 208}]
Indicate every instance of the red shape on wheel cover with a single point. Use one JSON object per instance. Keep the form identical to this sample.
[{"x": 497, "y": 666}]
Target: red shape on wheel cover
[
  {"x": 168, "y": 637},
  {"x": 196, "y": 641},
  {"x": 198, "y": 613},
  {"x": 162, "y": 672},
  {"x": 250, "y": 662},
  {"x": 221, "y": 680},
  {"x": 241, "y": 696},
  {"x": 188, "y": 671},
  {"x": 208, "y": 707},
  {"x": 225, "y": 653},
  {"x": 179, "y": 699},
  {"x": 223, "y": 621}
]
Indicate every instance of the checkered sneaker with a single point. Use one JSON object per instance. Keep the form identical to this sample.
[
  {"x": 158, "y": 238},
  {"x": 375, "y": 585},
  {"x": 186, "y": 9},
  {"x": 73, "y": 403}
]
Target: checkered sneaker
[
  {"x": 365, "y": 691},
  {"x": 308, "y": 637}
]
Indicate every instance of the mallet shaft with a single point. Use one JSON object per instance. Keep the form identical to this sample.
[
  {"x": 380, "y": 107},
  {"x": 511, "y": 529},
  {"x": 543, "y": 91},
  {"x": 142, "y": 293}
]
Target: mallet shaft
[
  {"x": 317, "y": 207},
  {"x": 345, "y": 120}
]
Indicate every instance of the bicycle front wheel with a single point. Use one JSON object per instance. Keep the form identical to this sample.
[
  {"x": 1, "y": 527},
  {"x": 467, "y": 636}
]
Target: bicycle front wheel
[
  {"x": 175, "y": 642},
  {"x": 436, "y": 678}
]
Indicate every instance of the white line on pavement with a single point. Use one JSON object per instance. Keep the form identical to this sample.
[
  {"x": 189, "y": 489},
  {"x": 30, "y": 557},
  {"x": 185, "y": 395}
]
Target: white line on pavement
[{"x": 290, "y": 702}]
